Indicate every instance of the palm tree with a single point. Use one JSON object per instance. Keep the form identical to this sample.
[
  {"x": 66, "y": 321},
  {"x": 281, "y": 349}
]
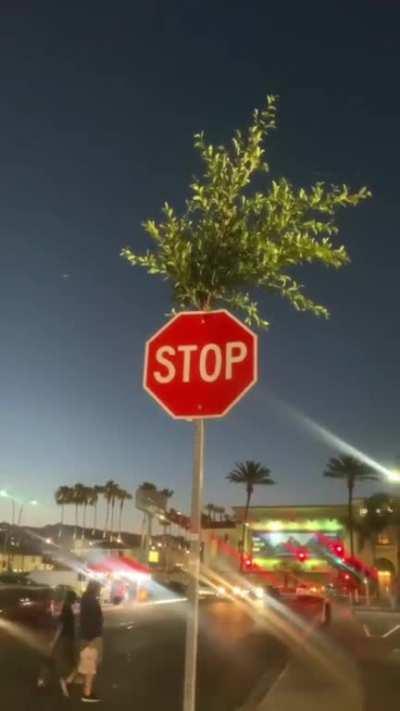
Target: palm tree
[
  {"x": 94, "y": 500},
  {"x": 122, "y": 496},
  {"x": 87, "y": 494},
  {"x": 250, "y": 474},
  {"x": 351, "y": 471},
  {"x": 78, "y": 495},
  {"x": 109, "y": 493},
  {"x": 114, "y": 494},
  {"x": 62, "y": 497}
]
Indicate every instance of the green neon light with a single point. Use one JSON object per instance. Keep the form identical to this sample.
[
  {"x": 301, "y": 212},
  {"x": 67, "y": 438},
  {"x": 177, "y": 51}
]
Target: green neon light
[
  {"x": 278, "y": 563},
  {"x": 329, "y": 525}
]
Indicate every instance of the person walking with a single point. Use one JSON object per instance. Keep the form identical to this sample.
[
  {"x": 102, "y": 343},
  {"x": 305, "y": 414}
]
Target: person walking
[
  {"x": 64, "y": 645},
  {"x": 59, "y": 658},
  {"x": 91, "y": 632},
  {"x": 47, "y": 624}
]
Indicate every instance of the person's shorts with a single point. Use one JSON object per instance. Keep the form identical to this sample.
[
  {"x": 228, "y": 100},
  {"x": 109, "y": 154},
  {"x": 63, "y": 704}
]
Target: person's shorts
[{"x": 90, "y": 656}]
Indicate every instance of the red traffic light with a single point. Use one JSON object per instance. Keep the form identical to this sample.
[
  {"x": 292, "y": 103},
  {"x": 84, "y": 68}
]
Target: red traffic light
[{"x": 301, "y": 556}]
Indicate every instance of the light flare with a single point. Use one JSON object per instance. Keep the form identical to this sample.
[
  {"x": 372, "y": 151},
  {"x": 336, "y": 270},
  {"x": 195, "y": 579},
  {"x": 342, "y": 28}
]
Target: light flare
[
  {"x": 24, "y": 635},
  {"x": 301, "y": 637},
  {"x": 338, "y": 442}
]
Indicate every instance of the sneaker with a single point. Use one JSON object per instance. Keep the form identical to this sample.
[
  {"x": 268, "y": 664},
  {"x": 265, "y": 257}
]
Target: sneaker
[
  {"x": 64, "y": 687},
  {"x": 91, "y": 699}
]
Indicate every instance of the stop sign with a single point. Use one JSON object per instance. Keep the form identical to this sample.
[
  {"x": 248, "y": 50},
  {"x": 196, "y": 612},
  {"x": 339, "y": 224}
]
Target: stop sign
[{"x": 200, "y": 364}]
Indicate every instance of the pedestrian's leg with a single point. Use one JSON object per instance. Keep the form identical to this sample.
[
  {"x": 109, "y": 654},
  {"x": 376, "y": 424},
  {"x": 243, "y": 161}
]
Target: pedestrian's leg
[
  {"x": 45, "y": 671},
  {"x": 41, "y": 680},
  {"x": 72, "y": 676},
  {"x": 88, "y": 684}
]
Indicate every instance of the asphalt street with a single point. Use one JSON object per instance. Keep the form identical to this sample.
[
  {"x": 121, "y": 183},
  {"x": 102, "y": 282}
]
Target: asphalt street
[
  {"x": 144, "y": 655},
  {"x": 352, "y": 666},
  {"x": 375, "y": 648},
  {"x": 144, "y": 658}
]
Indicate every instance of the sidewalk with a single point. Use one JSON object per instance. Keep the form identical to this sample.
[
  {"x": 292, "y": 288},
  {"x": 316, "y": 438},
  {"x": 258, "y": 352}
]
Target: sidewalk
[
  {"x": 323, "y": 675},
  {"x": 305, "y": 688}
]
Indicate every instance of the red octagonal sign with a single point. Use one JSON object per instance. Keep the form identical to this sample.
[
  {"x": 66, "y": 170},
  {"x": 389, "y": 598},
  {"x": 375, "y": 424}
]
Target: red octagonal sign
[{"x": 200, "y": 364}]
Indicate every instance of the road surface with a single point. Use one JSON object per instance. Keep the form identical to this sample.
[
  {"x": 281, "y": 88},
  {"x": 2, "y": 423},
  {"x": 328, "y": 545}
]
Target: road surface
[
  {"x": 144, "y": 651},
  {"x": 380, "y": 664},
  {"x": 353, "y": 666},
  {"x": 143, "y": 665}
]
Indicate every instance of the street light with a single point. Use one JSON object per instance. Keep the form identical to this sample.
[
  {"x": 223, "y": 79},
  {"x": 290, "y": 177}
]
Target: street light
[
  {"x": 5, "y": 495},
  {"x": 394, "y": 476},
  {"x": 31, "y": 502}
]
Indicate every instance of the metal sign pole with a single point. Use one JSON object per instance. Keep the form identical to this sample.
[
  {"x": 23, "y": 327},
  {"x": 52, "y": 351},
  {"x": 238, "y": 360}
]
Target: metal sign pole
[{"x": 192, "y": 625}]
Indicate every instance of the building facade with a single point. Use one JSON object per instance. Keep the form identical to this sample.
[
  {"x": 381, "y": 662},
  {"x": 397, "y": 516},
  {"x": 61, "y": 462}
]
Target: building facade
[{"x": 314, "y": 539}]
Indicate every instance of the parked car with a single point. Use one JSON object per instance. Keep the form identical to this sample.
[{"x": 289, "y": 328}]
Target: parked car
[{"x": 28, "y": 605}]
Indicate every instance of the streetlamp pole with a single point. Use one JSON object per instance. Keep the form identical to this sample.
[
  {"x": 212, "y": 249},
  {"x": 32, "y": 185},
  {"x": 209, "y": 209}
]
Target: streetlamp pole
[{"x": 21, "y": 509}]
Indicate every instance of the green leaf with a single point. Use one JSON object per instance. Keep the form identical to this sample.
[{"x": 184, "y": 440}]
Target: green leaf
[{"x": 232, "y": 240}]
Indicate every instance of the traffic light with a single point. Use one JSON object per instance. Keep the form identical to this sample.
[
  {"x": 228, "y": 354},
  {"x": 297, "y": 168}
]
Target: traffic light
[
  {"x": 246, "y": 563},
  {"x": 339, "y": 550},
  {"x": 301, "y": 556}
]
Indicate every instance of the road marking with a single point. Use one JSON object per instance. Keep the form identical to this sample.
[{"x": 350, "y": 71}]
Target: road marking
[
  {"x": 387, "y": 634},
  {"x": 380, "y": 636}
]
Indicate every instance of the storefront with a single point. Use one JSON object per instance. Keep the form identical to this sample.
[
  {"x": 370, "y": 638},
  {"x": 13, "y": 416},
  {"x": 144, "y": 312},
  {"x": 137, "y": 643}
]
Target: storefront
[{"x": 301, "y": 541}]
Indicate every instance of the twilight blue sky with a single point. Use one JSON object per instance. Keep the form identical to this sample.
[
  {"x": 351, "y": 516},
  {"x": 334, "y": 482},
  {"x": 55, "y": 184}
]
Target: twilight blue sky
[{"x": 99, "y": 102}]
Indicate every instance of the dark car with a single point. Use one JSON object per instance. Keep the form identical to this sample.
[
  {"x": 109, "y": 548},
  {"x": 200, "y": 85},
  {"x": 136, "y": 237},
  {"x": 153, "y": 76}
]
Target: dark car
[
  {"x": 28, "y": 605},
  {"x": 11, "y": 578}
]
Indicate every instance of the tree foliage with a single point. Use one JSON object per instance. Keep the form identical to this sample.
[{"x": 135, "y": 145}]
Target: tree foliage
[
  {"x": 350, "y": 469},
  {"x": 250, "y": 474},
  {"x": 233, "y": 239}
]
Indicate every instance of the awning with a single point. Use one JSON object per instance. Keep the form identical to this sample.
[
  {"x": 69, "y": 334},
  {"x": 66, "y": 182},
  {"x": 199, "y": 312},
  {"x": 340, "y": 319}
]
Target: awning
[{"x": 121, "y": 565}]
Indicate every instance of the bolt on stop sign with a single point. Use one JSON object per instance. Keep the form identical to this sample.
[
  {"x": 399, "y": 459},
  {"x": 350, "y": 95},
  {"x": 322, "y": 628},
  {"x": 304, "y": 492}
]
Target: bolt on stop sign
[{"x": 200, "y": 364}]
